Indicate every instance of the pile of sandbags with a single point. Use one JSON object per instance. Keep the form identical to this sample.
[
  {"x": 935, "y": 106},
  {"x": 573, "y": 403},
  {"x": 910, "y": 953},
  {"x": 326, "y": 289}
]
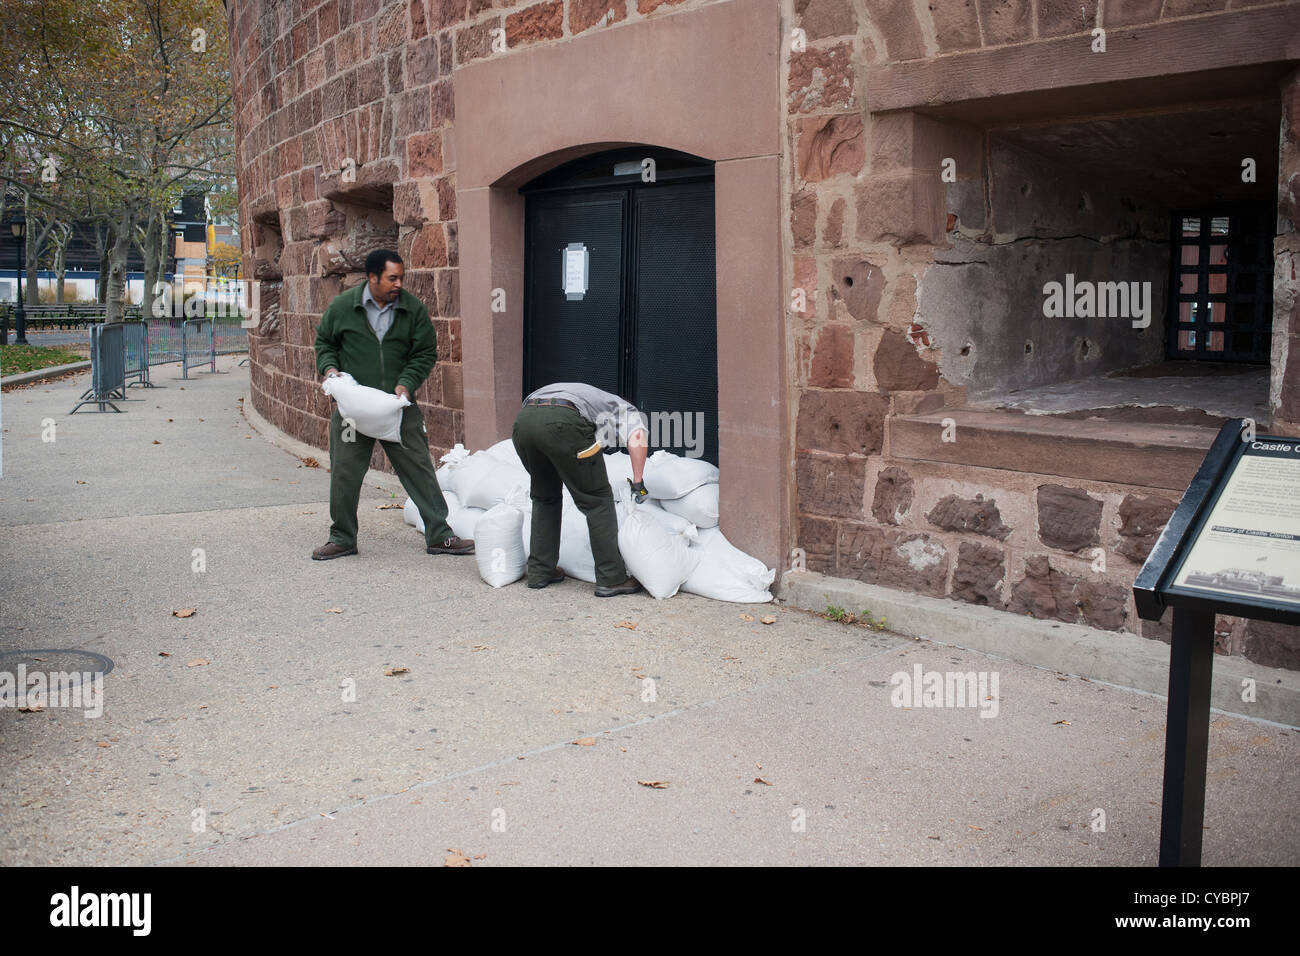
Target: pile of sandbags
[{"x": 670, "y": 542}]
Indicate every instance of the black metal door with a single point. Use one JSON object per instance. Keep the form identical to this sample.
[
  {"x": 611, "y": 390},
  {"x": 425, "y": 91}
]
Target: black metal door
[{"x": 644, "y": 326}]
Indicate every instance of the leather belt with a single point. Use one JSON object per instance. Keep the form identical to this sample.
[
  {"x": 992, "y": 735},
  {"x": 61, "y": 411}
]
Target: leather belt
[{"x": 552, "y": 401}]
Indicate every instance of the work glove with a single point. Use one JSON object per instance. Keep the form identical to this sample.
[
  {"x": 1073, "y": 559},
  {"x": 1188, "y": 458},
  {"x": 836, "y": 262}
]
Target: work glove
[{"x": 639, "y": 494}]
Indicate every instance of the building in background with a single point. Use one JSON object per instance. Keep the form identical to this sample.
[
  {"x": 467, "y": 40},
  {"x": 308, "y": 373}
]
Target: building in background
[{"x": 962, "y": 291}]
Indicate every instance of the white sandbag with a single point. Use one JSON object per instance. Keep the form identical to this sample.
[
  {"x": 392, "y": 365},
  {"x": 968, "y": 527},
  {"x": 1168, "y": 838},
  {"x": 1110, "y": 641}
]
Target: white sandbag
[
  {"x": 411, "y": 514},
  {"x": 655, "y": 556},
  {"x": 672, "y": 476},
  {"x": 464, "y": 522},
  {"x": 504, "y": 452},
  {"x": 674, "y": 523},
  {"x": 373, "y": 412},
  {"x": 451, "y": 463},
  {"x": 618, "y": 467},
  {"x": 497, "y": 546},
  {"x": 699, "y": 507},
  {"x": 725, "y": 573},
  {"x": 483, "y": 481}
]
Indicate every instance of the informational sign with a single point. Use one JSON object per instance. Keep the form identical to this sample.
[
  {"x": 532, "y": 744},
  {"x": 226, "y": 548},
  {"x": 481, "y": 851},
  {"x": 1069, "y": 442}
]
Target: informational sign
[
  {"x": 1250, "y": 543},
  {"x": 575, "y": 270}
]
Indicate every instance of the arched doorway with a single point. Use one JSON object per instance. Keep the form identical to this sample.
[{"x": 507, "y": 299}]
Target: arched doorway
[{"x": 620, "y": 288}]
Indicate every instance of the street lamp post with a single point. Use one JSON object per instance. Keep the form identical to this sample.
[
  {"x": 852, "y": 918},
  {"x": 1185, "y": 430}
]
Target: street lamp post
[{"x": 18, "y": 225}]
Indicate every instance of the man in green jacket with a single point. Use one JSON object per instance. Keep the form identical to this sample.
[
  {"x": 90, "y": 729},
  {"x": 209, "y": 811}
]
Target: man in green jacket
[{"x": 380, "y": 334}]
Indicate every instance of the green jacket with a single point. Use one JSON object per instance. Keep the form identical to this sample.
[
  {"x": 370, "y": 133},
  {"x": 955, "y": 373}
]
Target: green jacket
[{"x": 346, "y": 341}]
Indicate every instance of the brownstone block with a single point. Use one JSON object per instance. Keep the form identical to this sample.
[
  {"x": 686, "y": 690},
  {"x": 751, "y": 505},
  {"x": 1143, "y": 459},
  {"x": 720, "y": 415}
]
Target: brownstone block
[
  {"x": 442, "y": 103},
  {"x": 419, "y": 24},
  {"x": 832, "y": 359},
  {"x": 1272, "y": 645},
  {"x": 1010, "y": 21},
  {"x": 817, "y": 537},
  {"x": 893, "y": 497},
  {"x": 979, "y": 573},
  {"x": 649, "y": 6},
  {"x": 830, "y": 485},
  {"x": 1044, "y": 592},
  {"x": 1102, "y": 604},
  {"x": 584, "y": 14},
  {"x": 830, "y": 146},
  {"x": 841, "y": 423},
  {"x": 826, "y": 18},
  {"x": 423, "y": 154},
  {"x": 956, "y": 25},
  {"x": 1141, "y": 521},
  {"x": 370, "y": 81},
  {"x": 1068, "y": 518},
  {"x": 969, "y": 515},
  {"x": 859, "y": 284},
  {"x": 422, "y": 61},
  {"x": 474, "y": 42},
  {"x": 897, "y": 23},
  {"x": 833, "y": 234},
  {"x": 429, "y": 247},
  {"x": 898, "y": 367},
  {"x": 901, "y": 208},
  {"x": 446, "y": 199},
  {"x": 449, "y": 293},
  {"x": 821, "y": 78},
  {"x": 1123, "y": 13},
  {"x": 803, "y": 217},
  {"x": 542, "y": 21},
  {"x": 449, "y": 12},
  {"x": 1063, "y": 17},
  {"x": 453, "y": 386}
]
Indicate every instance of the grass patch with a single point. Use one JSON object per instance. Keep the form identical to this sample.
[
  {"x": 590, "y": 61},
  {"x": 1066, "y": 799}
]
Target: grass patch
[
  {"x": 863, "y": 618},
  {"x": 26, "y": 358}
]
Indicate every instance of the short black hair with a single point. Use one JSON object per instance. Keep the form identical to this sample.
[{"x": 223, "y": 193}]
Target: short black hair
[{"x": 378, "y": 260}]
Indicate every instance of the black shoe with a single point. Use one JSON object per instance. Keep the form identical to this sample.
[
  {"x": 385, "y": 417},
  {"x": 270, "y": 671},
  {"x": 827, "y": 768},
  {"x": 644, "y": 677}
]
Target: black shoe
[
  {"x": 630, "y": 586},
  {"x": 555, "y": 578},
  {"x": 330, "y": 550}
]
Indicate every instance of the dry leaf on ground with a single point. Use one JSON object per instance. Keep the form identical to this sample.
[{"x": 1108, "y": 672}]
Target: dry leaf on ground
[
  {"x": 585, "y": 742},
  {"x": 630, "y": 625},
  {"x": 311, "y": 463},
  {"x": 197, "y": 662},
  {"x": 1066, "y": 722},
  {"x": 31, "y": 707},
  {"x": 481, "y": 647},
  {"x": 102, "y": 743},
  {"x": 185, "y": 612},
  {"x": 762, "y": 781},
  {"x": 456, "y": 858},
  {"x": 163, "y": 654},
  {"x": 334, "y": 610},
  {"x": 394, "y": 671},
  {"x": 654, "y": 784},
  {"x": 746, "y": 617},
  {"x": 769, "y": 619},
  {"x": 388, "y": 506}
]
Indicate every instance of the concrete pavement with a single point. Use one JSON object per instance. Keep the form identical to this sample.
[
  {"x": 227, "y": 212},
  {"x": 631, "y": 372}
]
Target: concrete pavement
[{"x": 269, "y": 733}]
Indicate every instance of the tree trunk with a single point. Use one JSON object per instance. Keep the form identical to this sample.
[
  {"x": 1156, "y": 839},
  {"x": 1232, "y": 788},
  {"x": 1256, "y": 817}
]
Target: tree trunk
[
  {"x": 123, "y": 230},
  {"x": 103, "y": 242}
]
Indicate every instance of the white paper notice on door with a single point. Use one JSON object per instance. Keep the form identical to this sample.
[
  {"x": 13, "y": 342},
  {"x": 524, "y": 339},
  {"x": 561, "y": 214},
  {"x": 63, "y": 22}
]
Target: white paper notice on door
[{"x": 574, "y": 272}]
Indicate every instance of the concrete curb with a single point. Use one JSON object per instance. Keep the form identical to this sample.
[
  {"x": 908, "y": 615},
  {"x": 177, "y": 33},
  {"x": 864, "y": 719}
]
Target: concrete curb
[
  {"x": 1111, "y": 656},
  {"x": 389, "y": 484},
  {"x": 40, "y": 374}
]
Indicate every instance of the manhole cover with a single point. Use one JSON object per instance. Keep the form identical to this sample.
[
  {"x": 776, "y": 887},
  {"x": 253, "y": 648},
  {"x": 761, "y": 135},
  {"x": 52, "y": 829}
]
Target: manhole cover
[{"x": 72, "y": 663}]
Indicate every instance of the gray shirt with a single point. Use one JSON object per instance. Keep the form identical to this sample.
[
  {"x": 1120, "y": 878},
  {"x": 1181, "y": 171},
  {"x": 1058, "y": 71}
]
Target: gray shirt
[
  {"x": 615, "y": 419},
  {"x": 379, "y": 317}
]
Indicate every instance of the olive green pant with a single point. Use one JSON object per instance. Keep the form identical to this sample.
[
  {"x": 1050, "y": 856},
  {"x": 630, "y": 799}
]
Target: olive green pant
[
  {"x": 350, "y": 460},
  {"x": 548, "y": 439}
]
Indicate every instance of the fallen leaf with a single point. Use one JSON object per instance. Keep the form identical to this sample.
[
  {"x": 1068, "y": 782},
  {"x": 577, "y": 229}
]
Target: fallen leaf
[
  {"x": 481, "y": 647},
  {"x": 769, "y": 619},
  {"x": 203, "y": 706},
  {"x": 394, "y": 671},
  {"x": 311, "y": 463},
  {"x": 974, "y": 827},
  {"x": 31, "y": 708},
  {"x": 169, "y": 419},
  {"x": 197, "y": 662},
  {"x": 102, "y": 743},
  {"x": 1066, "y": 722},
  {"x": 163, "y": 654},
  {"x": 480, "y": 856},
  {"x": 456, "y": 858},
  {"x": 388, "y": 506},
  {"x": 654, "y": 784},
  {"x": 80, "y": 482},
  {"x": 157, "y": 442},
  {"x": 184, "y": 612},
  {"x": 630, "y": 625},
  {"x": 334, "y": 610},
  {"x": 762, "y": 781},
  {"x": 747, "y": 617},
  {"x": 585, "y": 742}
]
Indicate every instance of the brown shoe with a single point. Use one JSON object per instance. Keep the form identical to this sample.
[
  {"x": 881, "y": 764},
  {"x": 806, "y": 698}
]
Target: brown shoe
[
  {"x": 331, "y": 550},
  {"x": 453, "y": 546}
]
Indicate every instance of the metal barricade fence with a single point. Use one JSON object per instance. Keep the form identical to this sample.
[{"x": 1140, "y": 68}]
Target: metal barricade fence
[
  {"x": 135, "y": 339},
  {"x": 107, "y": 367}
]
